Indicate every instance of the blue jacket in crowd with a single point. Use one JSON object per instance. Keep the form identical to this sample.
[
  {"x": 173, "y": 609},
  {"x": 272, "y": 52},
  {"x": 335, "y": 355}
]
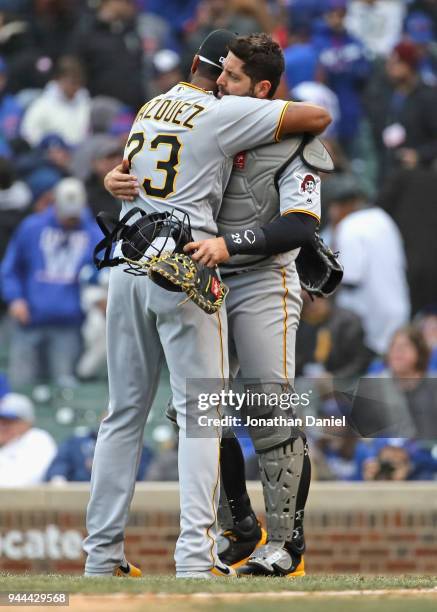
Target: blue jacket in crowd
[
  {"x": 42, "y": 264},
  {"x": 346, "y": 68},
  {"x": 75, "y": 455}
]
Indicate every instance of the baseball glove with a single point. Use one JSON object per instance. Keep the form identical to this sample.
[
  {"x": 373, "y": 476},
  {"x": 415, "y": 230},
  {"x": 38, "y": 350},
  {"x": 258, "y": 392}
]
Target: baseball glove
[
  {"x": 319, "y": 270},
  {"x": 178, "y": 272}
]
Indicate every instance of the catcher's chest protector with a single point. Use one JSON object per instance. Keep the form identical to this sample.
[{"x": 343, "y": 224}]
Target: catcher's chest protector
[{"x": 251, "y": 197}]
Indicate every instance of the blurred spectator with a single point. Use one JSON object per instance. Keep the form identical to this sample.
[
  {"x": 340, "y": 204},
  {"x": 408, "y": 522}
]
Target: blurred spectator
[
  {"x": 105, "y": 153},
  {"x": 167, "y": 71},
  {"x": 429, "y": 7},
  {"x": 10, "y": 111},
  {"x": 56, "y": 151},
  {"x": 212, "y": 15},
  {"x": 40, "y": 284},
  {"x": 74, "y": 459},
  {"x": 402, "y": 115},
  {"x": 391, "y": 463},
  {"x": 25, "y": 451},
  {"x": 374, "y": 284},
  {"x": 406, "y": 197},
  {"x": 344, "y": 69},
  {"x": 52, "y": 23},
  {"x": 402, "y": 400},
  {"x": 52, "y": 154},
  {"x": 41, "y": 182},
  {"x": 15, "y": 199},
  {"x": 110, "y": 48},
  {"x": 394, "y": 459},
  {"x": 318, "y": 93},
  {"x": 27, "y": 68},
  {"x": 63, "y": 108},
  {"x": 419, "y": 29},
  {"x": 407, "y": 363},
  {"x": 300, "y": 56},
  {"x": 103, "y": 112},
  {"x": 376, "y": 23},
  {"x": 330, "y": 341},
  {"x": 164, "y": 466},
  {"x": 426, "y": 321},
  {"x": 304, "y": 10},
  {"x": 177, "y": 12},
  {"x": 94, "y": 296},
  {"x": 334, "y": 458}
]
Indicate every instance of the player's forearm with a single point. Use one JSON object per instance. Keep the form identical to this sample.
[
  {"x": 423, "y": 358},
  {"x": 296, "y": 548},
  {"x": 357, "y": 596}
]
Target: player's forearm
[
  {"x": 301, "y": 117},
  {"x": 284, "y": 234}
]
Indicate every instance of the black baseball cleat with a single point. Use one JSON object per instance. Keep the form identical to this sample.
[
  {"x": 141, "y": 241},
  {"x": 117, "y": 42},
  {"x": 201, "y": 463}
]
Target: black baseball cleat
[
  {"x": 273, "y": 560},
  {"x": 234, "y": 546}
]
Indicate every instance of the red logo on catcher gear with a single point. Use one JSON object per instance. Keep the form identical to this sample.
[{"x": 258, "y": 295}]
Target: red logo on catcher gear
[
  {"x": 240, "y": 160},
  {"x": 308, "y": 184},
  {"x": 215, "y": 288}
]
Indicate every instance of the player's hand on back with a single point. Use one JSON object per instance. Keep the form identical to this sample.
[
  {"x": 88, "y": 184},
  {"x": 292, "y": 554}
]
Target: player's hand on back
[
  {"x": 210, "y": 252},
  {"x": 121, "y": 184}
]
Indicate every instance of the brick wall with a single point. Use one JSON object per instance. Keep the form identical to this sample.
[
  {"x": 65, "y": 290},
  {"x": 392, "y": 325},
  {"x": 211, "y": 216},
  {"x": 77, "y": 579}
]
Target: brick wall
[{"x": 366, "y": 528}]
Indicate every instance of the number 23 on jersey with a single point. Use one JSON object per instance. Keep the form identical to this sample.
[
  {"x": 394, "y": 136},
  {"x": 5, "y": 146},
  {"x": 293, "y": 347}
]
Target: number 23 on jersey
[{"x": 168, "y": 146}]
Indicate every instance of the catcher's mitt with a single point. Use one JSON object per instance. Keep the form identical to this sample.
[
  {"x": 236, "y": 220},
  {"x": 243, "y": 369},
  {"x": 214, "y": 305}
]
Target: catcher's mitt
[
  {"x": 178, "y": 272},
  {"x": 319, "y": 270}
]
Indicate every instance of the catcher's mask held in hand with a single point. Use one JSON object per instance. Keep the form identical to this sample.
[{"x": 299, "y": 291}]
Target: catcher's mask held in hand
[{"x": 141, "y": 241}]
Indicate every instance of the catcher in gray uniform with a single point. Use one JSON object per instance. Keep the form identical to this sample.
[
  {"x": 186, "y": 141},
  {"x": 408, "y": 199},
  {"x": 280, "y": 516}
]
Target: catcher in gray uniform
[
  {"x": 183, "y": 143},
  {"x": 271, "y": 206}
]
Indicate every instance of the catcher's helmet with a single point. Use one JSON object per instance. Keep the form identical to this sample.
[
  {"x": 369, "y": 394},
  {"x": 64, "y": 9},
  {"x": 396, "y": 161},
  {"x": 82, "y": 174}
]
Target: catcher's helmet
[{"x": 146, "y": 238}]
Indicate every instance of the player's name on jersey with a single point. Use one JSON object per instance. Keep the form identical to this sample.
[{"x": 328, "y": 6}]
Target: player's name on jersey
[
  {"x": 277, "y": 421},
  {"x": 171, "y": 111}
]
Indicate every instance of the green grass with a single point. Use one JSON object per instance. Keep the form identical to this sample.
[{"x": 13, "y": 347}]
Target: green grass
[{"x": 168, "y": 584}]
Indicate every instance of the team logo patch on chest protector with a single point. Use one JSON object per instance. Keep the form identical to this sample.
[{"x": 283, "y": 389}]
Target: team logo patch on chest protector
[{"x": 240, "y": 161}]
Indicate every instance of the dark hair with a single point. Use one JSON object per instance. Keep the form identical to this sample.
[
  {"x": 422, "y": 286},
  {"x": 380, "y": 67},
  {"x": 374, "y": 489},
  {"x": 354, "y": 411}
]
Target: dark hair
[
  {"x": 262, "y": 56},
  {"x": 417, "y": 339},
  {"x": 69, "y": 66}
]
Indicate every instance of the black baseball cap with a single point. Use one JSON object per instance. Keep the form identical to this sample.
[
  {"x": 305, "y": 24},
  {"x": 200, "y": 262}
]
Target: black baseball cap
[{"x": 214, "y": 48}]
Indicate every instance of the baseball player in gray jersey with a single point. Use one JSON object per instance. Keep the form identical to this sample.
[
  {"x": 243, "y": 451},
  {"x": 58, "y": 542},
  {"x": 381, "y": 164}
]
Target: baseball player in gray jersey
[
  {"x": 271, "y": 205},
  {"x": 263, "y": 313},
  {"x": 181, "y": 145}
]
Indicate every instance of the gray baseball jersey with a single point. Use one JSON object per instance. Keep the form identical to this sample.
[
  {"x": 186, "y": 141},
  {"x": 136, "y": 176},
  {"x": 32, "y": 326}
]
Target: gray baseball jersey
[
  {"x": 180, "y": 148},
  {"x": 191, "y": 138}
]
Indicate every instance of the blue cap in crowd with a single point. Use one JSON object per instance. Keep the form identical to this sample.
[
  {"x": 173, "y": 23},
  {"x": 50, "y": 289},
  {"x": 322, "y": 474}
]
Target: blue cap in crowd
[
  {"x": 419, "y": 28},
  {"x": 42, "y": 180},
  {"x": 53, "y": 140}
]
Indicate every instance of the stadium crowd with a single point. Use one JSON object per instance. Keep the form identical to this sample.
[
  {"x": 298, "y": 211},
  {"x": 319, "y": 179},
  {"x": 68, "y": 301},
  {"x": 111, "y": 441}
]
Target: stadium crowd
[{"x": 72, "y": 75}]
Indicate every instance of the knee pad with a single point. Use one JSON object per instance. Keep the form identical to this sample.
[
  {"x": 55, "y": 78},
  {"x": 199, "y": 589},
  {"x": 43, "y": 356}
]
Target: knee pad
[{"x": 272, "y": 403}]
